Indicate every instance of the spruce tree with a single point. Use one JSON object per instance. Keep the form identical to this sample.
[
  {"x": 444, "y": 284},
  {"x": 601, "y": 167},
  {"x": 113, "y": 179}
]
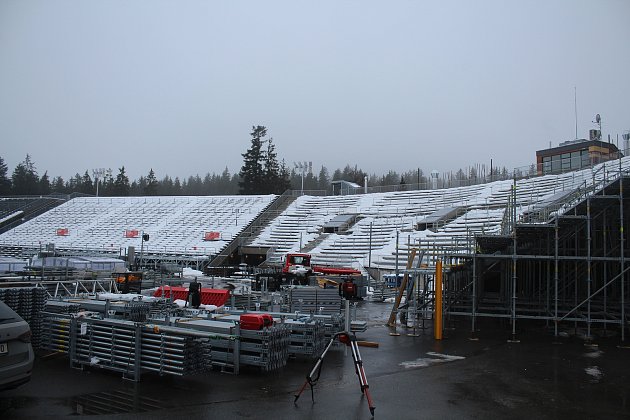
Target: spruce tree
[
  {"x": 5, "y": 182},
  {"x": 166, "y": 186},
  {"x": 121, "y": 185},
  {"x": 87, "y": 186},
  {"x": 323, "y": 181},
  {"x": 44, "y": 184},
  {"x": 25, "y": 180},
  {"x": 151, "y": 187},
  {"x": 58, "y": 185},
  {"x": 252, "y": 174}
]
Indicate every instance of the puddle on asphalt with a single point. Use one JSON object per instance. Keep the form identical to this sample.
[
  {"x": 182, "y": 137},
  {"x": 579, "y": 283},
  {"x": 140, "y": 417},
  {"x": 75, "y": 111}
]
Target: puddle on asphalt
[
  {"x": 595, "y": 373},
  {"x": 594, "y": 354},
  {"x": 428, "y": 361},
  {"x": 115, "y": 402}
]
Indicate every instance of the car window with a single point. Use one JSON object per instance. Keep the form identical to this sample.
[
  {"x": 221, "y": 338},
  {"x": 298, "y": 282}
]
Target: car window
[{"x": 7, "y": 314}]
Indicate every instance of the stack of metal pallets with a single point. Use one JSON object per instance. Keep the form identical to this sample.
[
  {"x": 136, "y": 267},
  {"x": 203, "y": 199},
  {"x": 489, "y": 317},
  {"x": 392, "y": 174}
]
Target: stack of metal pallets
[
  {"x": 333, "y": 323},
  {"x": 308, "y": 337},
  {"x": 187, "y": 346},
  {"x": 308, "y": 334},
  {"x": 267, "y": 349},
  {"x": 126, "y": 346},
  {"x": 114, "y": 335},
  {"x": 223, "y": 342},
  {"x": 131, "y": 347},
  {"x": 28, "y": 303},
  {"x": 106, "y": 344},
  {"x": 310, "y": 299},
  {"x": 61, "y": 307},
  {"x": 138, "y": 311},
  {"x": 56, "y": 320},
  {"x": 55, "y": 332}
]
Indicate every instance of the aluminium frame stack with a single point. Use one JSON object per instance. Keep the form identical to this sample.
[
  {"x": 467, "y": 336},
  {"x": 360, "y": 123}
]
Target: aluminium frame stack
[
  {"x": 313, "y": 299},
  {"x": 306, "y": 334},
  {"x": 126, "y": 346}
]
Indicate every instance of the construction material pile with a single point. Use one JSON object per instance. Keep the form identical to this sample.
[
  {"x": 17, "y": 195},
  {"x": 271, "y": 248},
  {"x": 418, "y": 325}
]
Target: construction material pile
[
  {"x": 27, "y": 302},
  {"x": 125, "y": 346},
  {"x": 133, "y": 334},
  {"x": 114, "y": 335},
  {"x": 310, "y": 299}
]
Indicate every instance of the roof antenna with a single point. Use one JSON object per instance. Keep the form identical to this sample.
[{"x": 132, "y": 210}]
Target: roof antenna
[{"x": 575, "y": 105}]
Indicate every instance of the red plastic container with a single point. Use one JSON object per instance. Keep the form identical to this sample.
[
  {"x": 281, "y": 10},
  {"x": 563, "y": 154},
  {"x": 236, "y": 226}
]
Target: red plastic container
[
  {"x": 255, "y": 321},
  {"x": 216, "y": 297}
]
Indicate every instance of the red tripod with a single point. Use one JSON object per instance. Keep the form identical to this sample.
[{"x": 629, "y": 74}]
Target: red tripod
[{"x": 313, "y": 376}]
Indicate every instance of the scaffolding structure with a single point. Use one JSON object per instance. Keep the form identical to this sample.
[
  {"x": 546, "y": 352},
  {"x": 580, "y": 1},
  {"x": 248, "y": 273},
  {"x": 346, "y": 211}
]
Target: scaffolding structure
[{"x": 563, "y": 265}]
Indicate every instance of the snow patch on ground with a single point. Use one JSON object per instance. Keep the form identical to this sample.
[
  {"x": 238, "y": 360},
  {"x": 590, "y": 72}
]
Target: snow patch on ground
[
  {"x": 595, "y": 372},
  {"x": 428, "y": 361},
  {"x": 190, "y": 273},
  {"x": 393, "y": 299},
  {"x": 593, "y": 354}
]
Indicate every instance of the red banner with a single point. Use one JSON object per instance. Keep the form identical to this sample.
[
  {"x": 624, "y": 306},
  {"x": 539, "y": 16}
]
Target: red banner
[
  {"x": 62, "y": 232},
  {"x": 212, "y": 236},
  {"x": 131, "y": 234}
]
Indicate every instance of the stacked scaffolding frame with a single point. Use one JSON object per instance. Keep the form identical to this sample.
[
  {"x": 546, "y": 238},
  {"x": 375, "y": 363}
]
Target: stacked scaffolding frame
[{"x": 565, "y": 267}]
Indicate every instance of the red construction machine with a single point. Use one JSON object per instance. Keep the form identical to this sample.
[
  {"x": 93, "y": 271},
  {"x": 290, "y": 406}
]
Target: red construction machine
[{"x": 299, "y": 264}]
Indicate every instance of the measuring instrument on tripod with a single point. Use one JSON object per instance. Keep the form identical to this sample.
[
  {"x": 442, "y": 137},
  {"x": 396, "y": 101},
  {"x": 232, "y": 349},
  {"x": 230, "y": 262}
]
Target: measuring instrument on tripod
[{"x": 349, "y": 339}]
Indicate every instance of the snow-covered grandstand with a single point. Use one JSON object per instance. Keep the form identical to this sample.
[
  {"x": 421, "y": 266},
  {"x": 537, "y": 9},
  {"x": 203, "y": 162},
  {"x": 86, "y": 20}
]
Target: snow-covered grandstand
[
  {"x": 384, "y": 225},
  {"x": 175, "y": 225},
  {"x": 382, "y": 217}
]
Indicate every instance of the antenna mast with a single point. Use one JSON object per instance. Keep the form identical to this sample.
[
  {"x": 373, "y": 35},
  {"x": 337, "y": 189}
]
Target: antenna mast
[{"x": 575, "y": 105}]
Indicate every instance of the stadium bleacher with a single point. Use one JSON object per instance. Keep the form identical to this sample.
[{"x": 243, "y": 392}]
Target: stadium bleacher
[
  {"x": 180, "y": 225},
  {"x": 175, "y": 225}
]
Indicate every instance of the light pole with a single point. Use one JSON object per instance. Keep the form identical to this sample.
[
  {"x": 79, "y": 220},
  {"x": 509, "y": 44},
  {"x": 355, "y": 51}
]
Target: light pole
[
  {"x": 303, "y": 167},
  {"x": 143, "y": 238},
  {"x": 99, "y": 173}
]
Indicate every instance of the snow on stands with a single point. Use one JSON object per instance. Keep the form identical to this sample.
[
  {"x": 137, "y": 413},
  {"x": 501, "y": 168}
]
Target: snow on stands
[
  {"x": 380, "y": 216},
  {"x": 443, "y": 220},
  {"x": 175, "y": 225}
]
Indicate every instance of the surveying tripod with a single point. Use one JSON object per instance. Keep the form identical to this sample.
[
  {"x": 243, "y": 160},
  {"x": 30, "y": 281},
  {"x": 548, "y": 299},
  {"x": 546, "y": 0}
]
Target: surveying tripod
[{"x": 313, "y": 376}]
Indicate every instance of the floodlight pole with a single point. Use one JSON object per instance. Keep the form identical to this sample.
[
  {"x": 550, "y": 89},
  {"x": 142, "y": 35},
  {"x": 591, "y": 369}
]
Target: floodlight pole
[
  {"x": 303, "y": 167},
  {"x": 98, "y": 174}
]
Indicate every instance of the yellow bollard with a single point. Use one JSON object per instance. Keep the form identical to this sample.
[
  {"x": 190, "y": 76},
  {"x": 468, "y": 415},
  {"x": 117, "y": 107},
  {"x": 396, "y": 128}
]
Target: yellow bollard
[{"x": 437, "y": 313}]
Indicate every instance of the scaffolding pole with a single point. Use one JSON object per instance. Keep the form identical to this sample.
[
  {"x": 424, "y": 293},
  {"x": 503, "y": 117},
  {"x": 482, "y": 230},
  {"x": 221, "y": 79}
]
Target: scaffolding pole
[
  {"x": 589, "y": 267},
  {"x": 555, "y": 278},
  {"x": 474, "y": 294},
  {"x": 622, "y": 256}
]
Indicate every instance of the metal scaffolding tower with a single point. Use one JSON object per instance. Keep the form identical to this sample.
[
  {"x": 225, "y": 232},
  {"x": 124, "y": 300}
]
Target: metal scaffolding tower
[{"x": 564, "y": 266}]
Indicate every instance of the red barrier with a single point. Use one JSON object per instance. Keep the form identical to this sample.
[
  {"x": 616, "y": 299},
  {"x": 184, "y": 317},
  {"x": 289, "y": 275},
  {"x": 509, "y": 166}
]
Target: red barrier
[{"x": 216, "y": 297}]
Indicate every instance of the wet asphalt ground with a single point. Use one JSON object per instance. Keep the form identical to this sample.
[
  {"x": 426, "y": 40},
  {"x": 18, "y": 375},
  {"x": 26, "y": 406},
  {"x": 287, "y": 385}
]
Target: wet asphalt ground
[{"x": 410, "y": 377}]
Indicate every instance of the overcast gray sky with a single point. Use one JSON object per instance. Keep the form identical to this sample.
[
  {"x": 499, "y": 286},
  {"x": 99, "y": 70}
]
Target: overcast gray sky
[{"x": 177, "y": 85}]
